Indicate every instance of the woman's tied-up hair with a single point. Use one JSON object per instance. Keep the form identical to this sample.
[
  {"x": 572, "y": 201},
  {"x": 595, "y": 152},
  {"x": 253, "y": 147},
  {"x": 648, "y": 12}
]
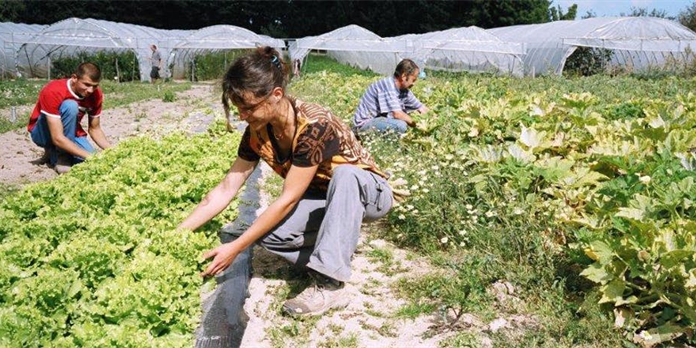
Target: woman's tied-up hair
[
  {"x": 276, "y": 62},
  {"x": 255, "y": 74}
]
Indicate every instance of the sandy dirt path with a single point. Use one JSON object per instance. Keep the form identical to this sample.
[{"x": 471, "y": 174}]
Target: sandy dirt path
[{"x": 19, "y": 156}]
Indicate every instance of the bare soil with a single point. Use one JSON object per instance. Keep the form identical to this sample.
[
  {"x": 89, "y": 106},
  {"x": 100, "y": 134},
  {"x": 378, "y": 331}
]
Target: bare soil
[{"x": 20, "y": 157}]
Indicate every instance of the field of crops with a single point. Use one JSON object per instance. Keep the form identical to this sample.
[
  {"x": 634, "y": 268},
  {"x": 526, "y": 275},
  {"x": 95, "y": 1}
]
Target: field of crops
[
  {"x": 92, "y": 259},
  {"x": 578, "y": 193}
]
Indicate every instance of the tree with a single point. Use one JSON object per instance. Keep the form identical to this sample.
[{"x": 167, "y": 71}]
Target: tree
[
  {"x": 395, "y": 17},
  {"x": 687, "y": 17},
  {"x": 493, "y": 14},
  {"x": 589, "y": 14},
  {"x": 287, "y": 18},
  {"x": 643, "y": 12},
  {"x": 305, "y": 18},
  {"x": 10, "y": 9},
  {"x": 556, "y": 13},
  {"x": 442, "y": 16},
  {"x": 35, "y": 12}
]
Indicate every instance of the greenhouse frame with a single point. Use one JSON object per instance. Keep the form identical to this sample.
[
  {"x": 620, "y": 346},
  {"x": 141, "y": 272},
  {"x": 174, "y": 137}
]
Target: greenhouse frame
[
  {"x": 469, "y": 49},
  {"x": 71, "y": 36},
  {"x": 636, "y": 43},
  {"x": 215, "y": 38},
  {"x": 460, "y": 49},
  {"x": 352, "y": 45},
  {"x": 625, "y": 43},
  {"x": 12, "y": 35}
]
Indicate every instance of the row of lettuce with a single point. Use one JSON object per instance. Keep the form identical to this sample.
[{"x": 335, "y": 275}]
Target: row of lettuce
[
  {"x": 593, "y": 176},
  {"x": 93, "y": 259}
]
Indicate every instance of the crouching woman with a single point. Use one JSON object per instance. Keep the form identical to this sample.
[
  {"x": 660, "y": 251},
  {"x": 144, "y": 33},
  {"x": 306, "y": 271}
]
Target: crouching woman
[{"x": 331, "y": 185}]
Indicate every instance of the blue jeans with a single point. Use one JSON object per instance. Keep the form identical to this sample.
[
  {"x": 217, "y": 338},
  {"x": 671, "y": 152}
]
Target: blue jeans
[
  {"x": 384, "y": 125},
  {"x": 41, "y": 135},
  {"x": 320, "y": 233}
]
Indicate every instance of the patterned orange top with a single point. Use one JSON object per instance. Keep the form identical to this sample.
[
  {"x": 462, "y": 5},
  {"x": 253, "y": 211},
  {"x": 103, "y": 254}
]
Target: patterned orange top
[{"x": 320, "y": 139}]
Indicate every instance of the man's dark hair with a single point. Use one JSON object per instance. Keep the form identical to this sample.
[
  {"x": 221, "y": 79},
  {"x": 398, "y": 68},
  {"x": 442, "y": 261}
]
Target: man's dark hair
[
  {"x": 407, "y": 67},
  {"x": 90, "y": 69}
]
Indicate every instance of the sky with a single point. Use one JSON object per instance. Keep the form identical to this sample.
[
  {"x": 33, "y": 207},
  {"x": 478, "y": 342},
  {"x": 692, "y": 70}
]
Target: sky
[{"x": 608, "y": 8}]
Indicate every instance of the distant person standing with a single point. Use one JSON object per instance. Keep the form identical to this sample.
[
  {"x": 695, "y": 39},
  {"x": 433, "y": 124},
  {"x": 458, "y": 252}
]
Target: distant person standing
[
  {"x": 156, "y": 60},
  {"x": 296, "y": 68},
  {"x": 387, "y": 103},
  {"x": 55, "y": 122}
]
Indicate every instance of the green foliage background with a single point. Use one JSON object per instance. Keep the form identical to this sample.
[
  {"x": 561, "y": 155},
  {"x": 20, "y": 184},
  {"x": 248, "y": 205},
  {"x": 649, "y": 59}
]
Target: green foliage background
[
  {"x": 128, "y": 67},
  {"x": 213, "y": 65},
  {"x": 286, "y": 19}
]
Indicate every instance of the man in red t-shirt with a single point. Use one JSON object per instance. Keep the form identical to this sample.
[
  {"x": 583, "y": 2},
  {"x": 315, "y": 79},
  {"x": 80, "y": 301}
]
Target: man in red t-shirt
[{"x": 55, "y": 122}]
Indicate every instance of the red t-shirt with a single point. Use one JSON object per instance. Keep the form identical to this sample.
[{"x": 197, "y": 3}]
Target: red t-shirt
[{"x": 57, "y": 91}]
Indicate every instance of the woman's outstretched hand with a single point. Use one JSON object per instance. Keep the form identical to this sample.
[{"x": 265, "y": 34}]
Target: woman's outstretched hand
[{"x": 223, "y": 257}]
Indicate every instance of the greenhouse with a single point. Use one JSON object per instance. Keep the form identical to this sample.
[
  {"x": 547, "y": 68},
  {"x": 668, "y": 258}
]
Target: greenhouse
[
  {"x": 12, "y": 35},
  {"x": 460, "y": 49},
  {"x": 217, "y": 38},
  {"x": 355, "y": 46},
  {"x": 464, "y": 49},
  {"x": 72, "y": 36},
  {"x": 628, "y": 43}
]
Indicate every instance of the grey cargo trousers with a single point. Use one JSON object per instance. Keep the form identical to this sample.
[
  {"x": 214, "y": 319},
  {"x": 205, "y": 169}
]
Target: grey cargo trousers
[{"x": 320, "y": 233}]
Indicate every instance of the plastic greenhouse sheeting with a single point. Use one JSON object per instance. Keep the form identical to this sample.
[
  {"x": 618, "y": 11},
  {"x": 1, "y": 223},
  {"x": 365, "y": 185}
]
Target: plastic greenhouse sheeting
[
  {"x": 217, "y": 38},
  {"x": 11, "y": 36},
  {"x": 636, "y": 43},
  {"x": 471, "y": 49},
  {"x": 463, "y": 49},
  {"x": 355, "y": 46},
  {"x": 73, "y": 35}
]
